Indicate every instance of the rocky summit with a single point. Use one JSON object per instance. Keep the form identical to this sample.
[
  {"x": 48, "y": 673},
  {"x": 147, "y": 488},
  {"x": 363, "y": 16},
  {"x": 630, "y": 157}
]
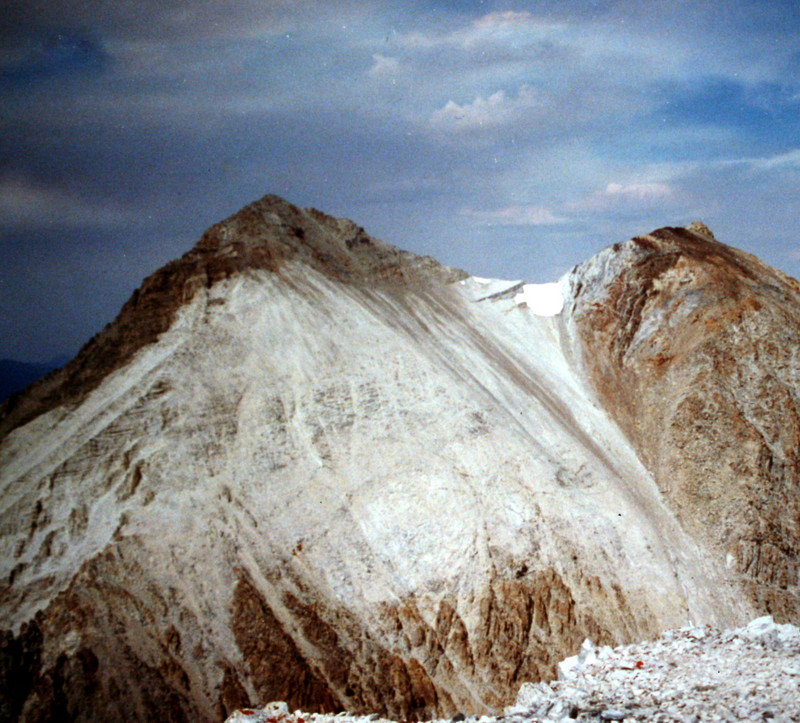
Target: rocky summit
[{"x": 305, "y": 466}]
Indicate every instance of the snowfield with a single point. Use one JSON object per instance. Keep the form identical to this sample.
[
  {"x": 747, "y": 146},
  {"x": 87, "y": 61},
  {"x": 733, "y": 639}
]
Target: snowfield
[
  {"x": 541, "y": 299},
  {"x": 688, "y": 675}
]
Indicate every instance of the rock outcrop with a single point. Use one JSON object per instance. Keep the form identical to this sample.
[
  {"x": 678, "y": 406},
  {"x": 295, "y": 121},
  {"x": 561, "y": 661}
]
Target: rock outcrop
[
  {"x": 303, "y": 465},
  {"x": 748, "y": 674}
]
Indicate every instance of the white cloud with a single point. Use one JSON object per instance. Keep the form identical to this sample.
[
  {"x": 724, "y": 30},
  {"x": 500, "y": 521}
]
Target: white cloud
[
  {"x": 28, "y": 204},
  {"x": 787, "y": 160},
  {"x": 790, "y": 159},
  {"x": 630, "y": 195},
  {"x": 505, "y": 26},
  {"x": 506, "y": 18},
  {"x": 405, "y": 184},
  {"x": 484, "y": 112},
  {"x": 497, "y": 27},
  {"x": 639, "y": 191},
  {"x": 383, "y": 66},
  {"x": 526, "y": 215}
]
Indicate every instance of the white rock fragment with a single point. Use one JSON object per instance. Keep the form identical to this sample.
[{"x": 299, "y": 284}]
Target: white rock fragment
[
  {"x": 586, "y": 656},
  {"x": 691, "y": 674},
  {"x": 277, "y": 709},
  {"x": 760, "y": 626},
  {"x": 247, "y": 715}
]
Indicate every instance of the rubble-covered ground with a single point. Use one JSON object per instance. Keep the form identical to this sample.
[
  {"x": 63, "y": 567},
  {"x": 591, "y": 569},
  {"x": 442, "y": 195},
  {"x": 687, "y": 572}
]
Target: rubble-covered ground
[{"x": 691, "y": 674}]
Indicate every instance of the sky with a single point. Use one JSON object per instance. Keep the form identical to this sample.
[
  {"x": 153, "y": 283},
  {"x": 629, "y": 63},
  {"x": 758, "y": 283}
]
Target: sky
[{"x": 511, "y": 139}]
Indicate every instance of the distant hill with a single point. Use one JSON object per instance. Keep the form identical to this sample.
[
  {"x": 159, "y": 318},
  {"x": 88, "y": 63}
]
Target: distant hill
[{"x": 16, "y": 375}]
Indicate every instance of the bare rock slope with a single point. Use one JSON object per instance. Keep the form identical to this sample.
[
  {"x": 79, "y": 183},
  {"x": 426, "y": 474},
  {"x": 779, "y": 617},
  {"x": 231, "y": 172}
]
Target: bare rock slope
[{"x": 303, "y": 465}]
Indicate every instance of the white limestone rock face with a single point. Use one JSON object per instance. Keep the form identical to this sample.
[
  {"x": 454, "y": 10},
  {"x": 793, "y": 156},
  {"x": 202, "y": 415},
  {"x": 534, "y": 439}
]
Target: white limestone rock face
[{"x": 305, "y": 466}]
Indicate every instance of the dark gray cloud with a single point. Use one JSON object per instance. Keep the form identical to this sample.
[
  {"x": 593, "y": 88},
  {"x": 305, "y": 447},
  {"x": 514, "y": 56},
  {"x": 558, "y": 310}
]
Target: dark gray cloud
[{"x": 511, "y": 139}]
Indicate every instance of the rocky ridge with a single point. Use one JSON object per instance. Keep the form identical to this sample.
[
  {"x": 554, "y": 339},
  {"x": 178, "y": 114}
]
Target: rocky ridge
[
  {"x": 302, "y": 465},
  {"x": 335, "y": 247}
]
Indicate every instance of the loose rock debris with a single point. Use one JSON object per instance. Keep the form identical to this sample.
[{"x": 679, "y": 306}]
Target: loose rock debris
[{"x": 690, "y": 675}]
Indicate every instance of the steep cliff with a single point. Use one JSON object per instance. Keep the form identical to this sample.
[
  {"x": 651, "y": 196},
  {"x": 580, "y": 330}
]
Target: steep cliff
[{"x": 304, "y": 465}]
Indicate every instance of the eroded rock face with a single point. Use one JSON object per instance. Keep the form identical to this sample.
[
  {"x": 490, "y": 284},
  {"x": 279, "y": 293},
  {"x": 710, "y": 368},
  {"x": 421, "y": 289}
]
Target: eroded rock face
[
  {"x": 694, "y": 347},
  {"x": 303, "y": 465}
]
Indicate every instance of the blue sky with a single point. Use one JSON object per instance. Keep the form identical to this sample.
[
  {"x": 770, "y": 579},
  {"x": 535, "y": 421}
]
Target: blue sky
[{"x": 511, "y": 139}]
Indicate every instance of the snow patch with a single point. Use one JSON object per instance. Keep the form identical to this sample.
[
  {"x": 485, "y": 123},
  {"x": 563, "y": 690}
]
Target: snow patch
[
  {"x": 481, "y": 289},
  {"x": 542, "y": 299}
]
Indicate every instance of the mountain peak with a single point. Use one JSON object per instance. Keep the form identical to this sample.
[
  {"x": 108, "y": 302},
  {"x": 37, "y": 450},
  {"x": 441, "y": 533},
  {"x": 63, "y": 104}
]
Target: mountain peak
[
  {"x": 689, "y": 255},
  {"x": 691, "y": 346},
  {"x": 699, "y": 228},
  {"x": 271, "y": 232},
  {"x": 300, "y": 467},
  {"x": 265, "y": 235}
]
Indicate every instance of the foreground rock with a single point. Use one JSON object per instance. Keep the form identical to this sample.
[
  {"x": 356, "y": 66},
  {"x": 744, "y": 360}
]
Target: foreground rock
[
  {"x": 303, "y": 465},
  {"x": 691, "y": 674},
  {"x": 687, "y": 675}
]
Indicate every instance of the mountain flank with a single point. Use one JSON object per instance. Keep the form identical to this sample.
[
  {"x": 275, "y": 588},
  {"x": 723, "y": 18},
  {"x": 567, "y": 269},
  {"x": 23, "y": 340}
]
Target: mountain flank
[{"x": 694, "y": 348}]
